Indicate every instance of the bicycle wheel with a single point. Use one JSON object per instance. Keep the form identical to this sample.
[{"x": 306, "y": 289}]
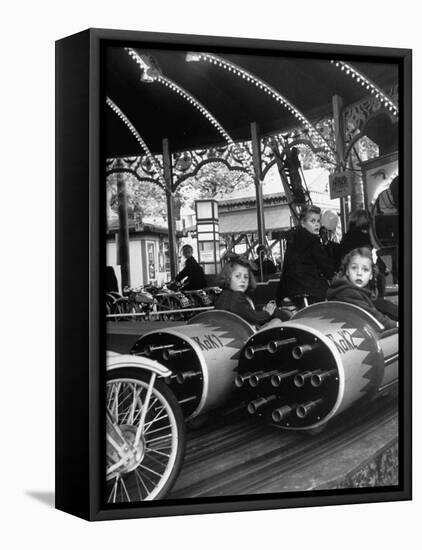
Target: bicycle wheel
[{"x": 141, "y": 466}]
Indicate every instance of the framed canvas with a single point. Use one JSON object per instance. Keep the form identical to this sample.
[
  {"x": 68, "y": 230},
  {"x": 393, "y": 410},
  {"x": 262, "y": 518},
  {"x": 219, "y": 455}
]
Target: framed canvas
[{"x": 184, "y": 164}]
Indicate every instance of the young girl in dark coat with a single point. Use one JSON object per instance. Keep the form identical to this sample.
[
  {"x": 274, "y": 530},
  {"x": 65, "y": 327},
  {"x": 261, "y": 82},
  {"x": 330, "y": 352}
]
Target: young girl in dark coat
[
  {"x": 357, "y": 236},
  {"x": 236, "y": 278},
  {"x": 307, "y": 266},
  {"x": 353, "y": 285}
]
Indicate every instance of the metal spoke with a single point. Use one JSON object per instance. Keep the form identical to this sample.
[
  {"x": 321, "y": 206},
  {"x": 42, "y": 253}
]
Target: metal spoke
[
  {"x": 156, "y": 419},
  {"x": 156, "y": 460},
  {"x": 157, "y": 430},
  {"x": 145, "y": 408},
  {"x": 124, "y": 487},
  {"x": 113, "y": 491},
  {"x": 139, "y": 477},
  {"x": 149, "y": 470},
  {"x": 157, "y": 438},
  {"x": 116, "y": 401},
  {"x": 150, "y": 449}
]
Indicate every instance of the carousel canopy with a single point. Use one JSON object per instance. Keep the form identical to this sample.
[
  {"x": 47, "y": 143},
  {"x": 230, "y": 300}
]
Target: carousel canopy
[{"x": 157, "y": 111}]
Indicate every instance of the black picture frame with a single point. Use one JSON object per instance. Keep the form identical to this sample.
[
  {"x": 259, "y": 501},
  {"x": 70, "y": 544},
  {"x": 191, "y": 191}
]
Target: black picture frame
[{"x": 80, "y": 257}]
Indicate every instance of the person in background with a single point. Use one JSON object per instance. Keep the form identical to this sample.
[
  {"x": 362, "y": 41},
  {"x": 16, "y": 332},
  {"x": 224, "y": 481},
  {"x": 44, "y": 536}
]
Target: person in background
[
  {"x": 307, "y": 266},
  {"x": 192, "y": 271},
  {"x": 111, "y": 280},
  {"x": 268, "y": 266},
  {"x": 355, "y": 285},
  {"x": 236, "y": 278}
]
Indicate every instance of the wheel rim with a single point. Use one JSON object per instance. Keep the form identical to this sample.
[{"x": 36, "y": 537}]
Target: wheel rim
[{"x": 138, "y": 472}]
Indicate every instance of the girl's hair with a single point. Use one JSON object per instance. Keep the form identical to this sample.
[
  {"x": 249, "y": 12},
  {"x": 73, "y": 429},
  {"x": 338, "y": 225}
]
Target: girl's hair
[
  {"x": 225, "y": 274},
  {"x": 364, "y": 253},
  {"x": 359, "y": 220},
  {"x": 308, "y": 209}
]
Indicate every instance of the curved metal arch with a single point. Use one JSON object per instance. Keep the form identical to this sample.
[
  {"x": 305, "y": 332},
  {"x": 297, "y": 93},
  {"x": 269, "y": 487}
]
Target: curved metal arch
[
  {"x": 209, "y": 161},
  {"x": 156, "y": 76},
  {"x": 299, "y": 141},
  {"x": 268, "y": 167},
  {"x": 250, "y": 77},
  {"x": 374, "y": 89},
  {"x": 133, "y": 173},
  {"x": 139, "y": 139}
]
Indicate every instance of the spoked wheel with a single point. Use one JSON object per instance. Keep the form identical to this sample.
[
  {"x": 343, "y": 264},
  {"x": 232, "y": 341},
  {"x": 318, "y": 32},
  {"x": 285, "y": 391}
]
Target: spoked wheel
[{"x": 145, "y": 436}]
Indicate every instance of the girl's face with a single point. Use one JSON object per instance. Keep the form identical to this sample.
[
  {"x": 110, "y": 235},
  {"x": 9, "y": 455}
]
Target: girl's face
[
  {"x": 240, "y": 278},
  {"x": 359, "y": 271},
  {"x": 312, "y": 223}
]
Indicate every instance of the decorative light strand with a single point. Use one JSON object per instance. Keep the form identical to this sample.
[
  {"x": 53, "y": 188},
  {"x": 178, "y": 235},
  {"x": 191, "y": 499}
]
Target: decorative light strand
[
  {"x": 369, "y": 85},
  {"x": 272, "y": 92},
  {"x": 157, "y": 77},
  {"x": 138, "y": 138}
]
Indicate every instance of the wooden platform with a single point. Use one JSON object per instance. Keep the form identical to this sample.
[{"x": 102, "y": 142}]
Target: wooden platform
[{"x": 230, "y": 455}]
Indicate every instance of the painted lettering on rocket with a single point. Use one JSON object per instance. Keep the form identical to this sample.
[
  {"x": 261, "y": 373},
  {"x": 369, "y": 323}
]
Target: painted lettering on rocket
[
  {"x": 208, "y": 342},
  {"x": 343, "y": 340}
]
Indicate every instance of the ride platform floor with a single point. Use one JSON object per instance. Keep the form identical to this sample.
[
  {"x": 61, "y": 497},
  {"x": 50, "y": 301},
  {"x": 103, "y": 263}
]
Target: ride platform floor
[{"x": 234, "y": 455}]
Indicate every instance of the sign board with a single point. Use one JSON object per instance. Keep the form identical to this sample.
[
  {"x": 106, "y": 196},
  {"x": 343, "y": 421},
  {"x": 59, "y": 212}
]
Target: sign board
[{"x": 340, "y": 185}]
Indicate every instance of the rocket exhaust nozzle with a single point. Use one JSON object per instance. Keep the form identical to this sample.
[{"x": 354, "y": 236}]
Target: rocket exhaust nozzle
[
  {"x": 150, "y": 349},
  {"x": 302, "y": 377},
  {"x": 250, "y": 351},
  {"x": 259, "y": 403},
  {"x": 240, "y": 379},
  {"x": 299, "y": 351},
  {"x": 282, "y": 412},
  {"x": 256, "y": 378},
  {"x": 305, "y": 408},
  {"x": 275, "y": 345},
  {"x": 277, "y": 379},
  {"x": 183, "y": 377},
  {"x": 172, "y": 353},
  {"x": 318, "y": 378}
]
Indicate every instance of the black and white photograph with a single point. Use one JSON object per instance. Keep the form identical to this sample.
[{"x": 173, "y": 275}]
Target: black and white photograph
[
  {"x": 211, "y": 297},
  {"x": 254, "y": 264}
]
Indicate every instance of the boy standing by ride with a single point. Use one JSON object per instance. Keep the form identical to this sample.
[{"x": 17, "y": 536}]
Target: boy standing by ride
[{"x": 307, "y": 266}]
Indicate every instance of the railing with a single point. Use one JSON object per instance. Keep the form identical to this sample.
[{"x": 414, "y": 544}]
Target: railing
[{"x": 166, "y": 312}]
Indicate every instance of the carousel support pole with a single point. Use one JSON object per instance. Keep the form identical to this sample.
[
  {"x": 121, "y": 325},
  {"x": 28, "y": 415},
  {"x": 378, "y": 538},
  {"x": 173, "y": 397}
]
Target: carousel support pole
[
  {"x": 340, "y": 149},
  {"x": 257, "y": 165},
  {"x": 123, "y": 240},
  {"x": 171, "y": 220}
]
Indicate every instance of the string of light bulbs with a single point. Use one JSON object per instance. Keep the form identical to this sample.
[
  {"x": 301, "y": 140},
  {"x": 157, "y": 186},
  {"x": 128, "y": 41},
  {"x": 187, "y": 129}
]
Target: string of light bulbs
[
  {"x": 156, "y": 77},
  {"x": 138, "y": 138},
  {"x": 272, "y": 92},
  {"x": 369, "y": 85}
]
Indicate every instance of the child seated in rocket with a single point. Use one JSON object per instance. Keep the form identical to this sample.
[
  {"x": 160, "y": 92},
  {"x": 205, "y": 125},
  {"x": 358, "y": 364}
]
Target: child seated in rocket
[
  {"x": 236, "y": 278},
  {"x": 354, "y": 285}
]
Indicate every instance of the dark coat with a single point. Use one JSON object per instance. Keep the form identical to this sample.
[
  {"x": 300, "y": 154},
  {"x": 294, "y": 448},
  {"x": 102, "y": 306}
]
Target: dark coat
[
  {"x": 237, "y": 302},
  {"x": 344, "y": 291},
  {"x": 195, "y": 274},
  {"x": 306, "y": 266},
  {"x": 268, "y": 267},
  {"x": 354, "y": 239}
]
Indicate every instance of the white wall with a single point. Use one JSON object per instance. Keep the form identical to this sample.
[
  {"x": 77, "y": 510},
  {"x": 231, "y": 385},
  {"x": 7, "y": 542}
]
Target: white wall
[{"x": 27, "y": 400}]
